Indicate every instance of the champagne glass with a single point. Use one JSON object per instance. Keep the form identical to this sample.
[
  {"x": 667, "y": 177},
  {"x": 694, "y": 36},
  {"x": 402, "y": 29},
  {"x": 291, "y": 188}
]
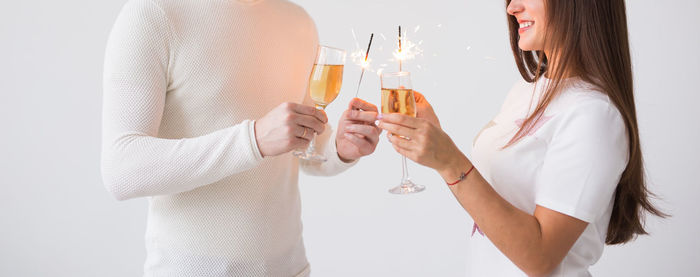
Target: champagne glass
[
  {"x": 397, "y": 97},
  {"x": 324, "y": 86}
]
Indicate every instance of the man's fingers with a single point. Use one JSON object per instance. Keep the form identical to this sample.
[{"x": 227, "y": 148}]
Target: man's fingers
[
  {"x": 368, "y": 117},
  {"x": 359, "y": 142},
  {"x": 300, "y": 143},
  {"x": 310, "y": 122},
  {"x": 371, "y": 133},
  {"x": 308, "y": 110},
  {"x": 304, "y": 133},
  {"x": 359, "y": 104}
]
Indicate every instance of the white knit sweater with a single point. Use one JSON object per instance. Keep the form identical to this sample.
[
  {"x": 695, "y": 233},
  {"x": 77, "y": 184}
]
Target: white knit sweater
[{"x": 183, "y": 81}]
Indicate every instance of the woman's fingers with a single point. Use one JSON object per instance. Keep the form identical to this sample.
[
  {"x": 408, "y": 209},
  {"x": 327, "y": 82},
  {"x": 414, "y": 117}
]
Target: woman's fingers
[
  {"x": 396, "y": 129},
  {"x": 400, "y": 119},
  {"x": 419, "y": 97},
  {"x": 403, "y": 151},
  {"x": 401, "y": 142}
]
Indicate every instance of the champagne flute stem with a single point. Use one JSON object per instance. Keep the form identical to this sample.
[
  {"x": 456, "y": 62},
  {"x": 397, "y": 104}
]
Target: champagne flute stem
[
  {"x": 312, "y": 145},
  {"x": 404, "y": 167}
]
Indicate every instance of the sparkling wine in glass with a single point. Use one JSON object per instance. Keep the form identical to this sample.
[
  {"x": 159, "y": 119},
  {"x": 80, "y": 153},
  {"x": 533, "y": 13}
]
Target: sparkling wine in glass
[
  {"x": 324, "y": 86},
  {"x": 397, "y": 97}
]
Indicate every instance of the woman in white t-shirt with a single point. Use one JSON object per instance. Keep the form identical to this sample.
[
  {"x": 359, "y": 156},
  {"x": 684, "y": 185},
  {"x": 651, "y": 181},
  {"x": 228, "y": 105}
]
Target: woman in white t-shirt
[{"x": 558, "y": 172}]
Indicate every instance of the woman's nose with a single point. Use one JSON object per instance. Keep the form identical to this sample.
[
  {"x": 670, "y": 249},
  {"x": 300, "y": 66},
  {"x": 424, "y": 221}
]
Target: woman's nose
[{"x": 515, "y": 7}]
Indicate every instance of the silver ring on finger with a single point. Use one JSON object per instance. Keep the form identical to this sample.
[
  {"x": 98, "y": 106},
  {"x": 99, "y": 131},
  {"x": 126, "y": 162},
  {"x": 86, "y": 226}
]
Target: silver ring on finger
[{"x": 303, "y": 135}]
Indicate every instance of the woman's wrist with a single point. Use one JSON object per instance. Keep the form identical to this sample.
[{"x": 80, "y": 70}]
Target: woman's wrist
[{"x": 455, "y": 168}]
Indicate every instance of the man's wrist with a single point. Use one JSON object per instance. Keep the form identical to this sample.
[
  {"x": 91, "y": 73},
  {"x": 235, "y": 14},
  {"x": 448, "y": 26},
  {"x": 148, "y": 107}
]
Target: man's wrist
[
  {"x": 347, "y": 161},
  {"x": 340, "y": 156},
  {"x": 255, "y": 138},
  {"x": 342, "y": 159}
]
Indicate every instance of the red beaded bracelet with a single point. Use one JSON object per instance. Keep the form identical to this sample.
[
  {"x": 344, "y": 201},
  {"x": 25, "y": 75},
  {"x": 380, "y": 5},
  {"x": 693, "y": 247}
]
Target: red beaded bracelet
[{"x": 462, "y": 177}]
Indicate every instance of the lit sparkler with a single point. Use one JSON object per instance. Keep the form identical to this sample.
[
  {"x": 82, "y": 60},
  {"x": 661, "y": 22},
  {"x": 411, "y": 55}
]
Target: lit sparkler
[
  {"x": 407, "y": 50},
  {"x": 364, "y": 64}
]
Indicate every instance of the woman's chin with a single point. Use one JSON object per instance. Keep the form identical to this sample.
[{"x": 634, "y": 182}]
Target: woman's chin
[
  {"x": 526, "y": 47},
  {"x": 529, "y": 44}
]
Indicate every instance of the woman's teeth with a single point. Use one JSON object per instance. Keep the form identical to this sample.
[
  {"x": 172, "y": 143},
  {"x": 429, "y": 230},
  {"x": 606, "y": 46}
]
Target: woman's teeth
[{"x": 526, "y": 24}]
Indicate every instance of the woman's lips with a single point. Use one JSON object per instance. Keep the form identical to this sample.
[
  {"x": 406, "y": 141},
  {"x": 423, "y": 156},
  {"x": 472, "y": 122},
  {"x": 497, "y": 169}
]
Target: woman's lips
[{"x": 525, "y": 25}]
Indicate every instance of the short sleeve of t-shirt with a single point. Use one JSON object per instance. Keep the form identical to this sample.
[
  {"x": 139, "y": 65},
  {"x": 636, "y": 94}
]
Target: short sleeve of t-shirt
[{"x": 584, "y": 161}]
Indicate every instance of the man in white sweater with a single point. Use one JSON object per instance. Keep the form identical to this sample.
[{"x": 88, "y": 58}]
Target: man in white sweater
[{"x": 200, "y": 116}]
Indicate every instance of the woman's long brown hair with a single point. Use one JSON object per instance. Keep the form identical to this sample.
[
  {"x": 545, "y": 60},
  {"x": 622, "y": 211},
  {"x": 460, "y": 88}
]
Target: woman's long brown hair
[{"x": 588, "y": 39}]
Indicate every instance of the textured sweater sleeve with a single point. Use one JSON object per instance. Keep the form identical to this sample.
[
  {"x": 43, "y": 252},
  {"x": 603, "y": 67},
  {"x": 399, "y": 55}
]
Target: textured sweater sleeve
[{"x": 135, "y": 162}]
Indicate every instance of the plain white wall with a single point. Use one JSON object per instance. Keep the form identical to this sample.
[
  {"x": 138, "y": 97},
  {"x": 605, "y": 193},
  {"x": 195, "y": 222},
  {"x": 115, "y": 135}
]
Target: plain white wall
[{"x": 56, "y": 219}]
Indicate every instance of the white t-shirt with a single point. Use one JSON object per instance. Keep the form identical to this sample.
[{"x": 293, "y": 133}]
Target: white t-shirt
[{"x": 570, "y": 162}]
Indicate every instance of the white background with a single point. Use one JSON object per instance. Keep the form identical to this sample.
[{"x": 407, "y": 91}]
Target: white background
[{"x": 56, "y": 219}]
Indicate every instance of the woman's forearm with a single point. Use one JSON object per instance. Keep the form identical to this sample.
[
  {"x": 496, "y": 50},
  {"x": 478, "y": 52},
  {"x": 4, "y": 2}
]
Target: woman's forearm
[
  {"x": 517, "y": 234},
  {"x": 535, "y": 243}
]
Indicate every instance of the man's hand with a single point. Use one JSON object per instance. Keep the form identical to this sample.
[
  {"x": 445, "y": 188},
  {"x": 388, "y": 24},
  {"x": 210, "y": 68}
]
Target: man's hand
[
  {"x": 357, "y": 134},
  {"x": 287, "y": 127}
]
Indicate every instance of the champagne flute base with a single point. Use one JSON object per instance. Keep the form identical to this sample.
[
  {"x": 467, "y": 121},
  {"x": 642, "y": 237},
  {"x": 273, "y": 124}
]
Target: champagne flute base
[
  {"x": 407, "y": 187},
  {"x": 312, "y": 157}
]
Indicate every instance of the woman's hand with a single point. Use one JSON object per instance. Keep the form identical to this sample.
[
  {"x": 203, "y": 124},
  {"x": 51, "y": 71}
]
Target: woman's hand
[
  {"x": 425, "y": 110},
  {"x": 420, "y": 140}
]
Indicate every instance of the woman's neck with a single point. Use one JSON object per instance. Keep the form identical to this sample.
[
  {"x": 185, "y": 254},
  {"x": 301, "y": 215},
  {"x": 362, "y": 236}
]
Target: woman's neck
[{"x": 553, "y": 66}]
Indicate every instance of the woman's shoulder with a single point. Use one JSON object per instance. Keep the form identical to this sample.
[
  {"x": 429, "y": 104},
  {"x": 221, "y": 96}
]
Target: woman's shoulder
[
  {"x": 521, "y": 88},
  {"x": 520, "y": 92},
  {"x": 585, "y": 107},
  {"x": 578, "y": 96}
]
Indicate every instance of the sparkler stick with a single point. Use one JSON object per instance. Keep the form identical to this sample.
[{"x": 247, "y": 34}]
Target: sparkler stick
[
  {"x": 400, "y": 59},
  {"x": 364, "y": 65}
]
